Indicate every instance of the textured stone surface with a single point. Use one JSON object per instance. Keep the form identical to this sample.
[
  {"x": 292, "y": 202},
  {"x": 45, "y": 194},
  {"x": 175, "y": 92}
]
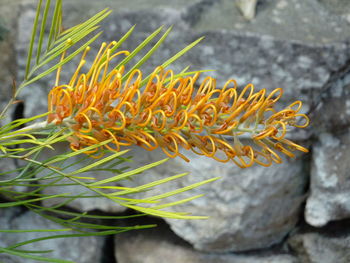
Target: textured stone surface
[
  {"x": 332, "y": 111},
  {"x": 313, "y": 247},
  {"x": 248, "y": 208},
  {"x": 8, "y": 72},
  {"x": 82, "y": 250},
  {"x": 330, "y": 187},
  {"x": 159, "y": 244}
]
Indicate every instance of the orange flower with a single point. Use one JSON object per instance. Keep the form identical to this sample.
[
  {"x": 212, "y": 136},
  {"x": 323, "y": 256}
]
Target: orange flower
[{"x": 170, "y": 113}]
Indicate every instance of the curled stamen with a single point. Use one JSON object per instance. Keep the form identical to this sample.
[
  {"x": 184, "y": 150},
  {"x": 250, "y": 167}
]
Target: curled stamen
[{"x": 169, "y": 113}]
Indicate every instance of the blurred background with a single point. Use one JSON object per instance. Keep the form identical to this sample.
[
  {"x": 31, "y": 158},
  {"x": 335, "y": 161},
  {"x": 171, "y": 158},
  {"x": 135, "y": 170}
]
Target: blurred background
[{"x": 298, "y": 211}]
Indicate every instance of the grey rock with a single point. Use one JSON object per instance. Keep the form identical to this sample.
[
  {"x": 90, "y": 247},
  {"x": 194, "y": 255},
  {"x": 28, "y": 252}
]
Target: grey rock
[
  {"x": 248, "y": 208},
  {"x": 158, "y": 244},
  {"x": 303, "y": 21},
  {"x": 329, "y": 197},
  {"x": 314, "y": 247},
  {"x": 8, "y": 72},
  {"x": 332, "y": 112},
  {"x": 74, "y": 249}
]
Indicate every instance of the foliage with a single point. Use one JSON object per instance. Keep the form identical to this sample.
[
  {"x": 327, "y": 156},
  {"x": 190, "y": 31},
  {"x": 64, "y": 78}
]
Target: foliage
[
  {"x": 28, "y": 145},
  {"x": 112, "y": 106}
]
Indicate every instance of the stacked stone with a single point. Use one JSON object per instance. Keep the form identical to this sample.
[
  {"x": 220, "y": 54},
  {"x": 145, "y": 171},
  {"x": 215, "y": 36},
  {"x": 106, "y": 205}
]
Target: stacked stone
[{"x": 283, "y": 213}]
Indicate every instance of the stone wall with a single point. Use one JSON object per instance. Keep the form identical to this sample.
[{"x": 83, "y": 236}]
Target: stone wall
[{"x": 295, "y": 212}]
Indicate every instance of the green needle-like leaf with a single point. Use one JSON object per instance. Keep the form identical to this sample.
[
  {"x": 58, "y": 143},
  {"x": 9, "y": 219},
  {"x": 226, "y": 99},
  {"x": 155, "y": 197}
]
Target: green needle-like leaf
[
  {"x": 160, "y": 213},
  {"x": 67, "y": 59},
  {"x": 12, "y": 204},
  {"x": 95, "y": 164},
  {"x": 32, "y": 39},
  {"x": 139, "y": 48},
  {"x": 149, "y": 185},
  {"x": 33, "y": 230},
  {"x": 91, "y": 22},
  {"x": 148, "y": 54},
  {"x": 183, "y": 189},
  {"x": 54, "y": 24},
  {"x": 128, "y": 174},
  {"x": 174, "y": 58},
  {"x": 181, "y": 53},
  {"x": 121, "y": 40},
  {"x": 42, "y": 30},
  {"x": 26, "y": 255},
  {"x": 178, "y": 202}
]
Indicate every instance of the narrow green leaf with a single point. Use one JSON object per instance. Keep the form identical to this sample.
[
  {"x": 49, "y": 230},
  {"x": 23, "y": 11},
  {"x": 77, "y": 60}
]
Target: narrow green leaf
[
  {"x": 62, "y": 47},
  {"x": 163, "y": 214},
  {"x": 180, "y": 53},
  {"x": 178, "y": 202},
  {"x": 33, "y": 141},
  {"x": 53, "y": 29},
  {"x": 91, "y": 22},
  {"x": 101, "y": 233},
  {"x": 17, "y": 203},
  {"x": 139, "y": 48},
  {"x": 59, "y": 27},
  {"x": 67, "y": 59},
  {"x": 67, "y": 213},
  {"x": 16, "y": 123},
  {"x": 128, "y": 174},
  {"x": 183, "y": 189},
  {"x": 174, "y": 58},
  {"x": 95, "y": 164},
  {"x": 26, "y": 255},
  {"x": 122, "y": 39},
  {"x": 148, "y": 54},
  {"x": 149, "y": 185},
  {"x": 131, "y": 200},
  {"x": 62, "y": 157},
  {"x": 34, "y": 251},
  {"x": 32, "y": 39},
  {"x": 33, "y": 230},
  {"x": 42, "y": 30},
  {"x": 50, "y": 141}
]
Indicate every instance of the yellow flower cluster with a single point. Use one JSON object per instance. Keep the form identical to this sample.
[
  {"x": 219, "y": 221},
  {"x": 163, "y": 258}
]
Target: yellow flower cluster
[{"x": 171, "y": 113}]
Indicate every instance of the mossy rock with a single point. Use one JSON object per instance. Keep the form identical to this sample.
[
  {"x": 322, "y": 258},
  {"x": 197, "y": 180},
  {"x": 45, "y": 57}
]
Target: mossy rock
[{"x": 3, "y": 31}]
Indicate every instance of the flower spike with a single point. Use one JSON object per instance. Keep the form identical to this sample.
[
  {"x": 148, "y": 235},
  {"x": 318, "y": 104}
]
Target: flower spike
[{"x": 169, "y": 113}]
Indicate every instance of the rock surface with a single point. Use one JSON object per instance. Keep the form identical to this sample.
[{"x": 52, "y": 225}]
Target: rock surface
[
  {"x": 248, "y": 208},
  {"x": 156, "y": 245},
  {"x": 323, "y": 246},
  {"x": 82, "y": 249},
  {"x": 331, "y": 113},
  {"x": 330, "y": 187},
  {"x": 8, "y": 72}
]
